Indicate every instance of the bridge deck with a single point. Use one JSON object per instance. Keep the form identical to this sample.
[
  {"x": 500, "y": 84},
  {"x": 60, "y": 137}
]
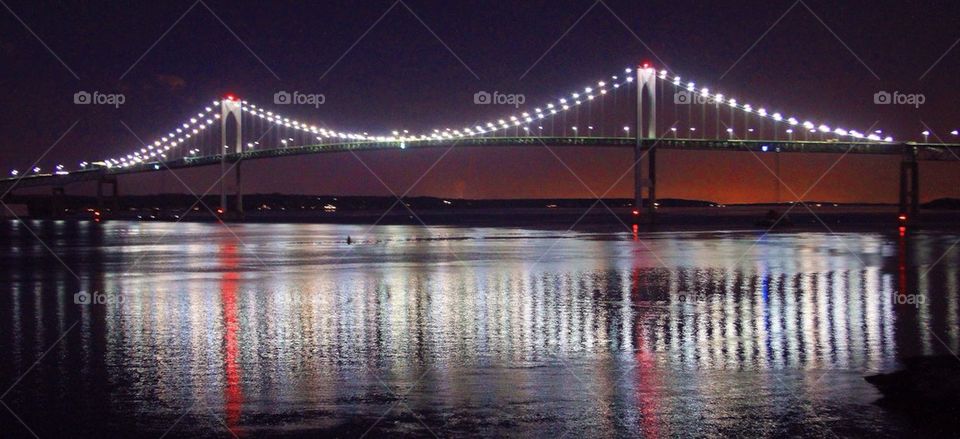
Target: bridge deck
[{"x": 922, "y": 151}]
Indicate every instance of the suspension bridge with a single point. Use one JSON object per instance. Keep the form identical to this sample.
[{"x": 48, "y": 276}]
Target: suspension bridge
[{"x": 641, "y": 108}]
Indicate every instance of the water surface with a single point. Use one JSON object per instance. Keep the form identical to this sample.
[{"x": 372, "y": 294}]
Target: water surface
[{"x": 272, "y": 329}]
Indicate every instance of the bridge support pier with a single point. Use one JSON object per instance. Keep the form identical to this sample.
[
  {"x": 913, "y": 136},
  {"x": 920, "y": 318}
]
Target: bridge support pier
[
  {"x": 239, "y": 193},
  {"x": 57, "y": 202},
  {"x": 114, "y": 192},
  {"x": 223, "y": 190},
  {"x": 649, "y": 181},
  {"x": 652, "y": 172},
  {"x": 909, "y": 184},
  {"x": 638, "y": 180}
]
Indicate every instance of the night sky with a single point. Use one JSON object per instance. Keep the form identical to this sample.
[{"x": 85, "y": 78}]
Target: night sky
[{"x": 822, "y": 61}]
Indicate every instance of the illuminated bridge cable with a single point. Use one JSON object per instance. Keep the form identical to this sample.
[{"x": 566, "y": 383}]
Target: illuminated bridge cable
[{"x": 263, "y": 129}]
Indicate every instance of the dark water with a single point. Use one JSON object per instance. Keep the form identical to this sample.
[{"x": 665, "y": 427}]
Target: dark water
[{"x": 286, "y": 330}]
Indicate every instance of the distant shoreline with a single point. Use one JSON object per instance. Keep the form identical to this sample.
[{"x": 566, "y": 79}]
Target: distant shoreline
[
  {"x": 799, "y": 218},
  {"x": 549, "y": 213}
]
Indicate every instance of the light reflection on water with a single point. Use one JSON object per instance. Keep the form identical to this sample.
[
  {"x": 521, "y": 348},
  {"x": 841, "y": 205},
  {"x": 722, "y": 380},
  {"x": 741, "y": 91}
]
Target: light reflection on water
[{"x": 286, "y": 329}]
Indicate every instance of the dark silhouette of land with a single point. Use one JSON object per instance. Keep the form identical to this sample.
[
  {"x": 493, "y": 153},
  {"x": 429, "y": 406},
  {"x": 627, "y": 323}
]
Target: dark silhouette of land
[{"x": 434, "y": 210}]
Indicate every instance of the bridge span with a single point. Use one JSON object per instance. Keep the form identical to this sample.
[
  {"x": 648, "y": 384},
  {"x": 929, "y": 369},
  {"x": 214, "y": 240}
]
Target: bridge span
[
  {"x": 701, "y": 121},
  {"x": 910, "y": 152}
]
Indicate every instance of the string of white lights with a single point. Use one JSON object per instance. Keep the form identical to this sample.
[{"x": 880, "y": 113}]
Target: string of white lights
[
  {"x": 159, "y": 148},
  {"x": 602, "y": 88},
  {"x": 719, "y": 99},
  {"x": 280, "y": 120},
  {"x": 549, "y": 109}
]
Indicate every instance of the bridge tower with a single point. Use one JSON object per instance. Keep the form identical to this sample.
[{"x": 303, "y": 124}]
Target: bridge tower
[
  {"x": 230, "y": 106},
  {"x": 646, "y": 138}
]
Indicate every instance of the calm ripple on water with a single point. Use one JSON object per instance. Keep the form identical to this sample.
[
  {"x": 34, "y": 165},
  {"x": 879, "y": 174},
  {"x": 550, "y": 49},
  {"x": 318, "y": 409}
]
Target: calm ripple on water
[{"x": 198, "y": 330}]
